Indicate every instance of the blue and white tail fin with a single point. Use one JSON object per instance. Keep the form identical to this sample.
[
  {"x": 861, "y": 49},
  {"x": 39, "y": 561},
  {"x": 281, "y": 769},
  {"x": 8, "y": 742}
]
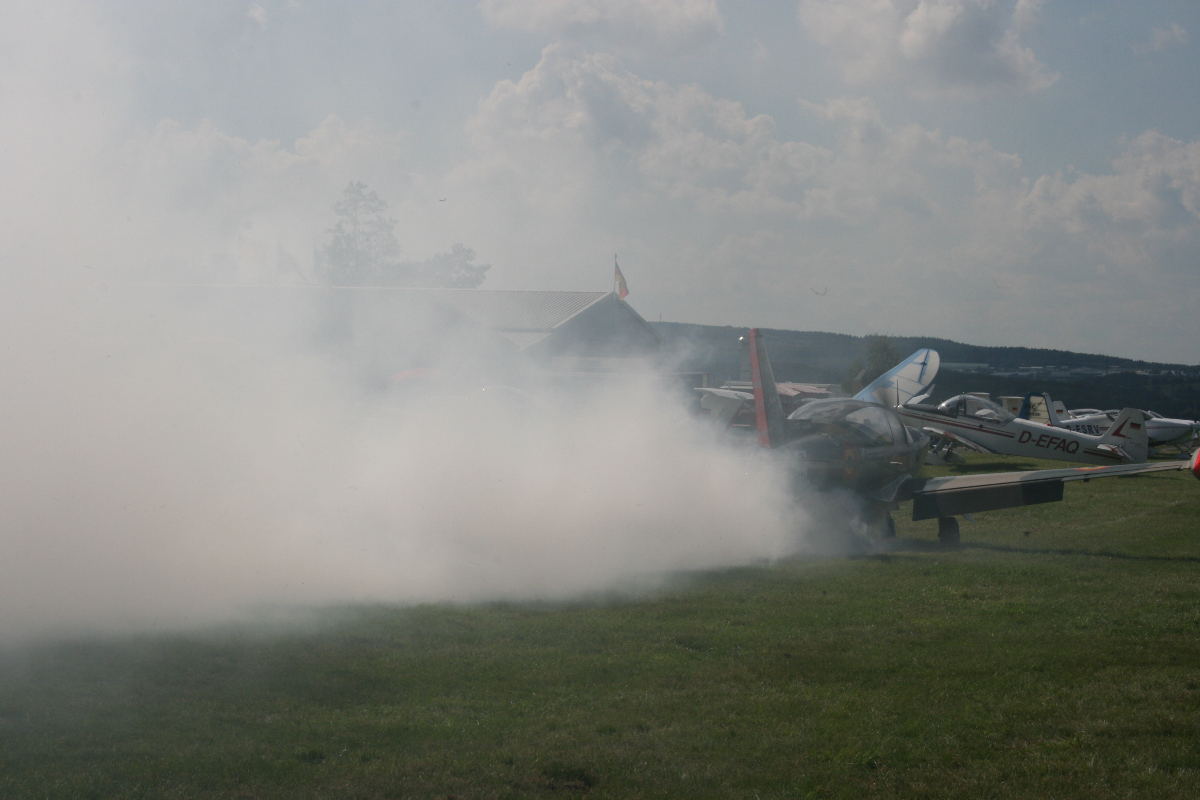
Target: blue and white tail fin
[
  {"x": 908, "y": 379},
  {"x": 1128, "y": 432},
  {"x": 768, "y": 411}
]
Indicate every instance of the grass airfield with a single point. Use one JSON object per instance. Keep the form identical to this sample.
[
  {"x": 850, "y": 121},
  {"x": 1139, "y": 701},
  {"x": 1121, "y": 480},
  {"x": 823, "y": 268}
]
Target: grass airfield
[{"x": 1055, "y": 653}]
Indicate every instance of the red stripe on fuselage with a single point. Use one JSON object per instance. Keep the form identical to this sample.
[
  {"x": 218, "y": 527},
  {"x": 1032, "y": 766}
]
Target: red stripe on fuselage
[
  {"x": 949, "y": 424},
  {"x": 975, "y": 429}
]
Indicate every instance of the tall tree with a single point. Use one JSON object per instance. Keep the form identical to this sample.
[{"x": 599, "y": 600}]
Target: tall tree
[
  {"x": 453, "y": 270},
  {"x": 364, "y": 250},
  {"x": 881, "y": 355}
]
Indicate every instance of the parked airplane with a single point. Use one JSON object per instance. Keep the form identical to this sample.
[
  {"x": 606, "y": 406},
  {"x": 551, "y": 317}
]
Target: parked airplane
[
  {"x": 977, "y": 423},
  {"x": 911, "y": 379},
  {"x": 867, "y": 448},
  {"x": 1160, "y": 430},
  {"x": 1164, "y": 431}
]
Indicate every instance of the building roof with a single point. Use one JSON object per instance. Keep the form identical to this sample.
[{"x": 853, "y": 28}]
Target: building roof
[{"x": 522, "y": 317}]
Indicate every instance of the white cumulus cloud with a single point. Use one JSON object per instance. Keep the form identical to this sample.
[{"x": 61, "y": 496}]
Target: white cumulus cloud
[
  {"x": 1149, "y": 202},
  {"x": 957, "y": 49},
  {"x": 258, "y": 15},
  {"x": 652, "y": 25},
  {"x": 1163, "y": 37},
  {"x": 721, "y": 214}
]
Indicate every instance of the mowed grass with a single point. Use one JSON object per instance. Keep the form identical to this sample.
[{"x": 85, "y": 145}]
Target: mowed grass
[{"x": 1056, "y": 653}]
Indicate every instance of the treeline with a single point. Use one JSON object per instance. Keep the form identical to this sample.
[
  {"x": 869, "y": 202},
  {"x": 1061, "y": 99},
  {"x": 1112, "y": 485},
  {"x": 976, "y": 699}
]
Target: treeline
[
  {"x": 829, "y": 358},
  {"x": 1169, "y": 395},
  {"x": 836, "y": 351}
]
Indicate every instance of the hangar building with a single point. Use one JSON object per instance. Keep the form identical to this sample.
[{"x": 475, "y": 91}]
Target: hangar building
[
  {"x": 502, "y": 332},
  {"x": 560, "y": 329}
]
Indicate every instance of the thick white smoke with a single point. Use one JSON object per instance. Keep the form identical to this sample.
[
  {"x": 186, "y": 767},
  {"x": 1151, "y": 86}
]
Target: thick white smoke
[{"x": 170, "y": 463}]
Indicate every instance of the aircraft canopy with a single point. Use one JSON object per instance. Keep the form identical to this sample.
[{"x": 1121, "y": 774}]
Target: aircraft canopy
[
  {"x": 871, "y": 425},
  {"x": 969, "y": 405}
]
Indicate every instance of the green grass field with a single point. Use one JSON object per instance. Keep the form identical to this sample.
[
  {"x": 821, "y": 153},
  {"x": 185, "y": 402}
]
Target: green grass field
[{"x": 1055, "y": 653}]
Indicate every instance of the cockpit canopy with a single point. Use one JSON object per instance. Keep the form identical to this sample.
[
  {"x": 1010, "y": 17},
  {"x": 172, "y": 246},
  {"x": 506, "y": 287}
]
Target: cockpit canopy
[
  {"x": 969, "y": 405},
  {"x": 869, "y": 424}
]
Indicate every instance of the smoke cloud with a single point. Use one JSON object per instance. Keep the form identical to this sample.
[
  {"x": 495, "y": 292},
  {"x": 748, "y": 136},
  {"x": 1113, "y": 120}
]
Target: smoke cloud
[{"x": 175, "y": 458}]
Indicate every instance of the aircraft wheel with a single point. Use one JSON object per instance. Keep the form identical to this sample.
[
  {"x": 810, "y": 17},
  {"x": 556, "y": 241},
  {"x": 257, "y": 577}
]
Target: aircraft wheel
[
  {"x": 948, "y": 530},
  {"x": 878, "y": 520}
]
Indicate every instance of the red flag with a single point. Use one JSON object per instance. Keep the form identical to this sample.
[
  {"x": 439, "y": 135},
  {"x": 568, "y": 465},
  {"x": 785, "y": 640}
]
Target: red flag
[{"x": 622, "y": 289}]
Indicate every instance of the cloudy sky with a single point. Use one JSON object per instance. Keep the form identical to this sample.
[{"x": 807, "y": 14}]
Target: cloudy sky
[{"x": 995, "y": 172}]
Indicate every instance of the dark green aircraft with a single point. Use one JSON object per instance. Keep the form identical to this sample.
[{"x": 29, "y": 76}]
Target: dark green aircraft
[{"x": 866, "y": 448}]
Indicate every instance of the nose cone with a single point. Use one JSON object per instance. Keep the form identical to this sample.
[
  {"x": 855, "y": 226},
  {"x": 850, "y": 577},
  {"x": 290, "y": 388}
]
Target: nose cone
[{"x": 1196, "y": 463}]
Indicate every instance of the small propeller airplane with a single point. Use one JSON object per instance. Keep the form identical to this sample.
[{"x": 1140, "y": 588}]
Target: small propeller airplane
[
  {"x": 1161, "y": 431},
  {"x": 977, "y": 423},
  {"x": 866, "y": 447},
  {"x": 911, "y": 378}
]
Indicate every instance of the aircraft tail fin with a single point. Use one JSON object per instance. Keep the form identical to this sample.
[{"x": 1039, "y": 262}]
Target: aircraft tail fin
[
  {"x": 1128, "y": 432},
  {"x": 903, "y": 382},
  {"x": 768, "y": 411},
  {"x": 1034, "y": 408},
  {"x": 1052, "y": 411}
]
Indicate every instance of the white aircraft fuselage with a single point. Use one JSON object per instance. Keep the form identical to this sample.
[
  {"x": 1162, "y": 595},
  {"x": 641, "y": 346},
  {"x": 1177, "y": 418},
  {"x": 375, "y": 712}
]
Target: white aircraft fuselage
[
  {"x": 1161, "y": 430},
  {"x": 980, "y": 424}
]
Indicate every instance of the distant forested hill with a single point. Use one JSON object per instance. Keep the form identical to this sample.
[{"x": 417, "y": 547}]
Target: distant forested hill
[{"x": 827, "y": 358}]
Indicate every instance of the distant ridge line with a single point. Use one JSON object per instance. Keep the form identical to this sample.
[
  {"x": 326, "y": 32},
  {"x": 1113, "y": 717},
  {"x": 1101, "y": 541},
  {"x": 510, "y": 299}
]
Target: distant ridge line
[{"x": 848, "y": 347}]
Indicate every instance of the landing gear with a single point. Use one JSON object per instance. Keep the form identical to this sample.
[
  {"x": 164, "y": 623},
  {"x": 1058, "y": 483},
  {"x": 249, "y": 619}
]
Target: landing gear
[
  {"x": 943, "y": 453},
  {"x": 879, "y": 522},
  {"x": 948, "y": 530}
]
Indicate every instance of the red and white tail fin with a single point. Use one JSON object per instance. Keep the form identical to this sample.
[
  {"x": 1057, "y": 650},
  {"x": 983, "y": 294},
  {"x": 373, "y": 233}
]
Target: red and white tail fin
[
  {"x": 768, "y": 411},
  {"x": 1128, "y": 432}
]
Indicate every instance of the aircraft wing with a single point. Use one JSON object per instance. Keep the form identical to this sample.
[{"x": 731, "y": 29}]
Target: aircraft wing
[
  {"x": 903, "y": 382},
  {"x": 723, "y": 404},
  {"x": 967, "y": 494}
]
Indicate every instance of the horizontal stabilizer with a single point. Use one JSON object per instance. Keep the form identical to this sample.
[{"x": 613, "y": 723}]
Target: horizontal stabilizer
[{"x": 722, "y": 405}]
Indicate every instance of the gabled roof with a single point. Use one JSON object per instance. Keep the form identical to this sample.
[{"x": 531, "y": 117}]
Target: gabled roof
[{"x": 522, "y": 317}]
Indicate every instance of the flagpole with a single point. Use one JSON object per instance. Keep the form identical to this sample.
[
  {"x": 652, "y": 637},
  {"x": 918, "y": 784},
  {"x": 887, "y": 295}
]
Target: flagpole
[{"x": 620, "y": 288}]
